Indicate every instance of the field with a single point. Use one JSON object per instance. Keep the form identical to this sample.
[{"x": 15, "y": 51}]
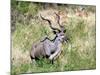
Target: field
[{"x": 27, "y": 27}]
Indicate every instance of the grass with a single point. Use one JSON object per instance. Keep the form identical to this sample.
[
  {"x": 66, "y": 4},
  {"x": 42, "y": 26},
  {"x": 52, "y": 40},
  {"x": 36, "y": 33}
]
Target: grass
[{"x": 78, "y": 54}]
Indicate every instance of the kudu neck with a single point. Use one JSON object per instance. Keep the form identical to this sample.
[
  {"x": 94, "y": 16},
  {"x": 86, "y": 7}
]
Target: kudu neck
[{"x": 56, "y": 40}]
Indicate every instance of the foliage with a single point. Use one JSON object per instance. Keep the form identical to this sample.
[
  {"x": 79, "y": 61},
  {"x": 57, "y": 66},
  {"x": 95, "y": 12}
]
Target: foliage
[{"x": 78, "y": 54}]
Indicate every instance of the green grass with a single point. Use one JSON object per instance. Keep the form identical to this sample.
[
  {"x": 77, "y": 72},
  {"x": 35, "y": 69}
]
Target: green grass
[{"x": 78, "y": 54}]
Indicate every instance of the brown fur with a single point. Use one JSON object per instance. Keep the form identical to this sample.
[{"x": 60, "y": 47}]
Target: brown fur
[{"x": 37, "y": 50}]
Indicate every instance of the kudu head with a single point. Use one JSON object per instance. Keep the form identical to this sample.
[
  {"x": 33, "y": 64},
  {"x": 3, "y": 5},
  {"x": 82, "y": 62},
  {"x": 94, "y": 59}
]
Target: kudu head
[{"x": 60, "y": 33}]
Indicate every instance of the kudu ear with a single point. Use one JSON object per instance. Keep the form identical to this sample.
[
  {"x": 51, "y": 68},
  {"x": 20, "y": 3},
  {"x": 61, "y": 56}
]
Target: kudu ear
[
  {"x": 54, "y": 32},
  {"x": 64, "y": 31}
]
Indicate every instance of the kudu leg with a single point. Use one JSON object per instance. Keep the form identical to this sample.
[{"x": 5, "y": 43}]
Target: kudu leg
[
  {"x": 52, "y": 60},
  {"x": 53, "y": 56}
]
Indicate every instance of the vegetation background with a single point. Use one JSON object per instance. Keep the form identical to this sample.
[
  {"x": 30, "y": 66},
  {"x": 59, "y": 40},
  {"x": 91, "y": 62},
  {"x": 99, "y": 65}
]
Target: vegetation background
[{"x": 27, "y": 27}]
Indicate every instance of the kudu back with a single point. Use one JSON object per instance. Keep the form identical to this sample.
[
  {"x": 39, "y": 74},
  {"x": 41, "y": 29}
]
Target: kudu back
[{"x": 49, "y": 48}]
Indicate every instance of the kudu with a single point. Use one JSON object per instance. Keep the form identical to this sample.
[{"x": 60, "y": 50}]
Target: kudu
[{"x": 49, "y": 48}]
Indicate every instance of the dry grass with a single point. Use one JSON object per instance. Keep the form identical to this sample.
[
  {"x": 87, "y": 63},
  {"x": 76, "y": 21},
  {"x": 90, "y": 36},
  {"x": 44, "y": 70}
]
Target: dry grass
[{"x": 78, "y": 54}]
